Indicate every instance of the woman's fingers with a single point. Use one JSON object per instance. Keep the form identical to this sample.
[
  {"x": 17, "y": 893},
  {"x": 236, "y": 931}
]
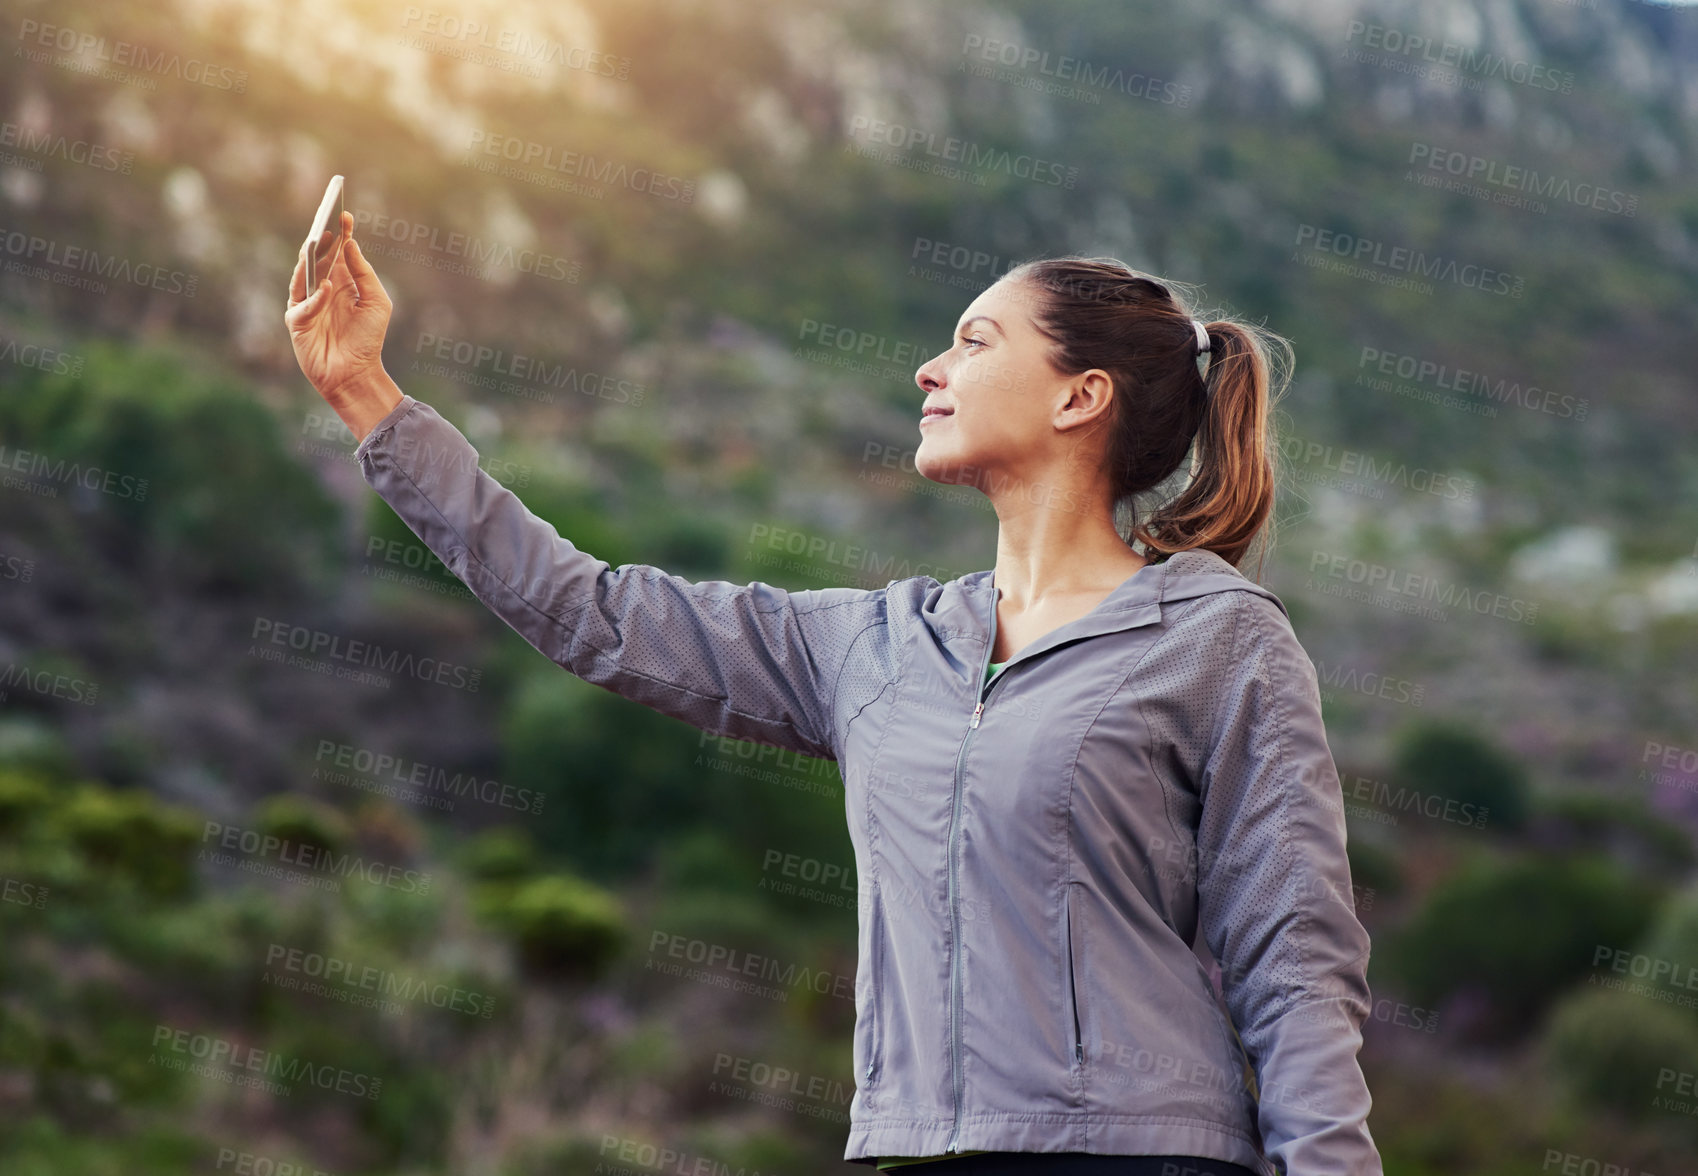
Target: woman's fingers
[
  {"x": 298, "y": 280},
  {"x": 303, "y": 309},
  {"x": 366, "y": 284}
]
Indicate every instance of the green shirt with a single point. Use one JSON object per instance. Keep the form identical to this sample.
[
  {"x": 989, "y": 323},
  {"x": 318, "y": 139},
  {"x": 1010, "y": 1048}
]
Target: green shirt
[{"x": 991, "y": 671}]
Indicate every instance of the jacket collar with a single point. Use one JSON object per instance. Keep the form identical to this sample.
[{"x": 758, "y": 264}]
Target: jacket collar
[{"x": 1137, "y": 601}]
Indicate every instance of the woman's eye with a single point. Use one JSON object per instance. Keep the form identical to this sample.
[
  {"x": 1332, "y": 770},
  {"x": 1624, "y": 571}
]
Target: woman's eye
[{"x": 980, "y": 342}]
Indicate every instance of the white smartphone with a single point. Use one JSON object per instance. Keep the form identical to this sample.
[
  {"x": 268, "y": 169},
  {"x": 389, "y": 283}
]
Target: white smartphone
[{"x": 332, "y": 199}]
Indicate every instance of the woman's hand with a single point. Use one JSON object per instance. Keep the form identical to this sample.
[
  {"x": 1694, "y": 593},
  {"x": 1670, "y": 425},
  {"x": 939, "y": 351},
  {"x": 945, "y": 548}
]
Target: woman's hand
[{"x": 337, "y": 331}]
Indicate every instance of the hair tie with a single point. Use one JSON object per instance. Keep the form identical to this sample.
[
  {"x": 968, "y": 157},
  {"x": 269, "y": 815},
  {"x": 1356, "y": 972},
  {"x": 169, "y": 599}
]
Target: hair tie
[{"x": 1204, "y": 349}]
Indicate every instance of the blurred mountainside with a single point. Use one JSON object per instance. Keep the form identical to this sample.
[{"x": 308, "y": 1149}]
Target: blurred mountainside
[{"x": 672, "y": 265}]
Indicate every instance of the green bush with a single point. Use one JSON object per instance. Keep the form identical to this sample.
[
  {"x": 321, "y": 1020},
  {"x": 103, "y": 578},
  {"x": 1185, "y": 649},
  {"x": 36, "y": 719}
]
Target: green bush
[
  {"x": 130, "y": 834},
  {"x": 616, "y": 774},
  {"x": 1517, "y": 930},
  {"x": 1374, "y": 867},
  {"x": 502, "y": 854},
  {"x": 24, "y": 795},
  {"x": 1452, "y": 760},
  {"x": 29, "y": 745},
  {"x": 1673, "y": 938},
  {"x": 188, "y": 462},
  {"x": 1609, "y": 1049},
  {"x": 304, "y": 821},
  {"x": 558, "y": 923}
]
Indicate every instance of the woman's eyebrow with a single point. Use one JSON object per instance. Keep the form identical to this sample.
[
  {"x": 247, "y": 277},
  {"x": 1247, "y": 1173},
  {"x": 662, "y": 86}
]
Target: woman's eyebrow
[{"x": 975, "y": 319}]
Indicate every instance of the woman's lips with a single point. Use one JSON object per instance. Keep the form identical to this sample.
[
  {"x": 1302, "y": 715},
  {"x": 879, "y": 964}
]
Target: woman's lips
[{"x": 932, "y": 414}]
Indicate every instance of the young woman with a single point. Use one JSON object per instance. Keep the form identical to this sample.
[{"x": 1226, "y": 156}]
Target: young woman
[{"x": 1073, "y": 783}]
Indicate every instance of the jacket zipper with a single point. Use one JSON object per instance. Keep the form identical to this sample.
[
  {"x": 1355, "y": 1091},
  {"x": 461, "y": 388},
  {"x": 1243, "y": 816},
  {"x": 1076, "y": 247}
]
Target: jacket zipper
[
  {"x": 874, "y": 1047},
  {"x": 955, "y": 1068}
]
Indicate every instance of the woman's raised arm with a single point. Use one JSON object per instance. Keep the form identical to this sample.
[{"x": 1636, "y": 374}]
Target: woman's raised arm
[{"x": 747, "y": 661}]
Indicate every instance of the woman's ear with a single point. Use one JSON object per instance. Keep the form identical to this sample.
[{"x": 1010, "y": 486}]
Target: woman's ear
[{"x": 1087, "y": 399}]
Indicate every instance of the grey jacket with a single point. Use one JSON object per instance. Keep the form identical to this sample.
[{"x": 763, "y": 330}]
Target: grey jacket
[{"x": 1048, "y": 863}]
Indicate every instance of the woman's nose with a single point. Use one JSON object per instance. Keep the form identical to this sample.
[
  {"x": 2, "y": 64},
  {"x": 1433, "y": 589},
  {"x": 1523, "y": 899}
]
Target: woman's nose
[{"x": 924, "y": 378}]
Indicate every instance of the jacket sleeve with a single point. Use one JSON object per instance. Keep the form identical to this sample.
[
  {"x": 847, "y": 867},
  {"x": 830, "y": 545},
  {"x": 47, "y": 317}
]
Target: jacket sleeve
[
  {"x": 1275, "y": 902},
  {"x": 749, "y": 662}
]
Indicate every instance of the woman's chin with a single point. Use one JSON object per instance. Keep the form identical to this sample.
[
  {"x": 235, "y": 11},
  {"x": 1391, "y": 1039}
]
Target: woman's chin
[{"x": 945, "y": 471}]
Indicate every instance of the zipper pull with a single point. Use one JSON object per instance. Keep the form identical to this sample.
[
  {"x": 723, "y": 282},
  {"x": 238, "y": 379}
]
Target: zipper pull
[
  {"x": 977, "y": 711},
  {"x": 1079, "y": 1050}
]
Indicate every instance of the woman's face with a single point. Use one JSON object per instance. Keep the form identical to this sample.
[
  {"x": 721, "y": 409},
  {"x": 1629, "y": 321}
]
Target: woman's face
[{"x": 1001, "y": 406}]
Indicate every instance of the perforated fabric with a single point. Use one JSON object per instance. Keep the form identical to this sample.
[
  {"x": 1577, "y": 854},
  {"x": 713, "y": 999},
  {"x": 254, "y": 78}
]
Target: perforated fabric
[{"x": 1240, "y": 737}]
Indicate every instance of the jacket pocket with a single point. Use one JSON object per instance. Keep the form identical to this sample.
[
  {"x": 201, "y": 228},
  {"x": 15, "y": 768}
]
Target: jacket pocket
[
  {"x": 1074, "y": 944},
  {"x": 875, "y": 969}
]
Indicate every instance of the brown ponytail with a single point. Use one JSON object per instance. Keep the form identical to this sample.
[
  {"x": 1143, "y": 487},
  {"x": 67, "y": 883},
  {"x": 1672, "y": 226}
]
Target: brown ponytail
[{"x": 1099, "y": 313}]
